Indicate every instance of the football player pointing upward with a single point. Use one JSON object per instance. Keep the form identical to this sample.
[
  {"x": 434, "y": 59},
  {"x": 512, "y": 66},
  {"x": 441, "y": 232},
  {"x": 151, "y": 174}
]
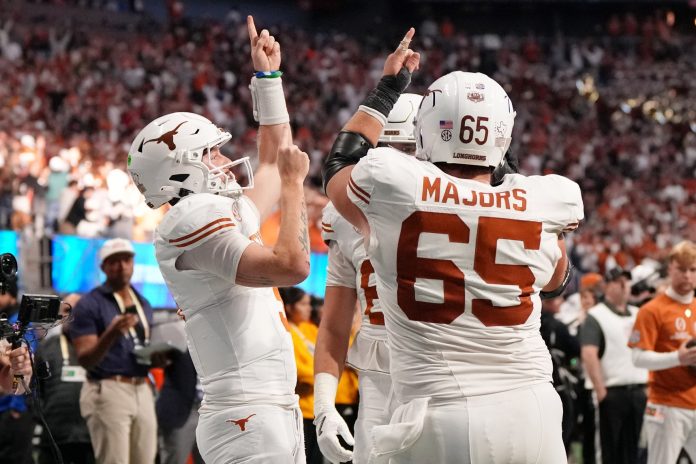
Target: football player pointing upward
[
  {"x": 459, "y": 265},
  {"x": 350, "y": 279},
  {"x": 209, "y": 251}
]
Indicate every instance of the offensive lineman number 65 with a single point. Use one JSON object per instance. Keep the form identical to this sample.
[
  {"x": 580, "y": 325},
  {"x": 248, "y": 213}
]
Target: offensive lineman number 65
[
  {"x": 409, "y": 267},
  {"x": 466, "y": 132}
]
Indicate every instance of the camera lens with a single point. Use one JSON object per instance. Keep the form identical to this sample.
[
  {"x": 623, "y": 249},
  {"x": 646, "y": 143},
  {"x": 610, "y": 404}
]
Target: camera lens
[{"x": 8, "y": 266}]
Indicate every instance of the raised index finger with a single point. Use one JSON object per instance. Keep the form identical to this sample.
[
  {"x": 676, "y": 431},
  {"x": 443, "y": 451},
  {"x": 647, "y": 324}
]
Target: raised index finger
[
  {"x": 403, "y": 45},
  {"x": 251, "y": 27},
  {"x": 409, "y": 34}
]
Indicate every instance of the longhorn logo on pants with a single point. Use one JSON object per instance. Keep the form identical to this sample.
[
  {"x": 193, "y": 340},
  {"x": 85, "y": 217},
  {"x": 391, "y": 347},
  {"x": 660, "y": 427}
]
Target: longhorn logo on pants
[{"x": 241, "y": 422}]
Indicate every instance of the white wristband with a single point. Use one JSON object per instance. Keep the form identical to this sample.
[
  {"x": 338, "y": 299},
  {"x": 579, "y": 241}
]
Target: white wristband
[
  {"x": 269, "y": 101},
  {"x": 374, "y": 113},
  {"x": 325, "y": 387}
]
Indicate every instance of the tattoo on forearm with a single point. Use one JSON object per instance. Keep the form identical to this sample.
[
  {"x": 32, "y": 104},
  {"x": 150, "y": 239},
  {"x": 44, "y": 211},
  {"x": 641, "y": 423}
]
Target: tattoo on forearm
[{"x": 304, "y": 234}]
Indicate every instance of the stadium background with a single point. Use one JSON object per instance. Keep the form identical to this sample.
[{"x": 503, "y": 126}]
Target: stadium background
[{"x": 604, "y": 92}]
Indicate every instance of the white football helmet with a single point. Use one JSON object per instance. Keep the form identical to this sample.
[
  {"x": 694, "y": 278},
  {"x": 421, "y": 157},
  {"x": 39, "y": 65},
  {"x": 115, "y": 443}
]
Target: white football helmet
[
  {"x": 464, "y": 118},
  {"x": 399, "y": 127},
  {"x": 167, "y": 156}
]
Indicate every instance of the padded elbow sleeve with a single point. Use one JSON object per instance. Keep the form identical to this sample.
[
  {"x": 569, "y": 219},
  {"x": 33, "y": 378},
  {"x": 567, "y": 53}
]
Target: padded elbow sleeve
[{"x": 346, "y": 151}]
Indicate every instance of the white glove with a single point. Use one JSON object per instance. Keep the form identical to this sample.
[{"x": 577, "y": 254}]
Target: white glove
[
  {"x": 330, "y": 425},
  {"x": 328, "y": 421}
]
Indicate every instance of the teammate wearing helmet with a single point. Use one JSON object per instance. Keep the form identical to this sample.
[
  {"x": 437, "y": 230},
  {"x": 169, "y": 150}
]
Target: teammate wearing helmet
[
  {"x": 351, "y": 280},
  {"x": 460, "y": 264},
  {"x": 220, "y": 274}
]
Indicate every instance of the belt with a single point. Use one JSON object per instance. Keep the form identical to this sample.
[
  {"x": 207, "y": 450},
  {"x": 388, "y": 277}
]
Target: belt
[
  {"x": 635, "y": 386},
  {"x": 123, "y": 379}
]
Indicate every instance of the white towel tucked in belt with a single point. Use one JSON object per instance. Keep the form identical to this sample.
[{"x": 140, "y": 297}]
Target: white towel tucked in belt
[{"x": 401, "y": 433}]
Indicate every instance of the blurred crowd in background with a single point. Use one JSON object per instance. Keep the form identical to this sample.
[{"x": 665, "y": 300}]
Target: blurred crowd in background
[{"x": 615, "y": 111}]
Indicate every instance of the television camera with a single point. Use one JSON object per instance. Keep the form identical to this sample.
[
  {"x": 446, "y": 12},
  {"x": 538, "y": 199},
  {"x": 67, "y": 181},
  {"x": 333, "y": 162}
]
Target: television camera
[{"x": 33, "y": 309}]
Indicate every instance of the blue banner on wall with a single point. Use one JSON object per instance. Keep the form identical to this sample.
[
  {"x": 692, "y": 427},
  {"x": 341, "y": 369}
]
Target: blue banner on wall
[
  {"x": 76, "y": 269},
  {"x": 8, "y": 242},
  {"x": 315, "y": 283}
]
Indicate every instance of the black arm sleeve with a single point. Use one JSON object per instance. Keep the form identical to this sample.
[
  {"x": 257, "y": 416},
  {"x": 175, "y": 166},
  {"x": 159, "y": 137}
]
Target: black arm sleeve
[{"x": 347, "y": 150}]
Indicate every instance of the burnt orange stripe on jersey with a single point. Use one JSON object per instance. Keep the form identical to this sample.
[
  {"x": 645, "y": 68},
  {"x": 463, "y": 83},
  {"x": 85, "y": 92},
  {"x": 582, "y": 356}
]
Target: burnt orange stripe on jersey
[
  {"x": 210, "y": 224},
  {"x": 326, "y": 226},
  {"x": 200, "y": 237},
  {"x": 354, "y": 189},
  {"x": 358, "y": 188}
]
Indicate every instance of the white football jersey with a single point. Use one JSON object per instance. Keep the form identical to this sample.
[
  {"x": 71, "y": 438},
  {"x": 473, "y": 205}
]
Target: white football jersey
[
  {"x": 459, "y": 267},
  {"x": 237, "y": 335},
  {"x": 349, "y": 267}
]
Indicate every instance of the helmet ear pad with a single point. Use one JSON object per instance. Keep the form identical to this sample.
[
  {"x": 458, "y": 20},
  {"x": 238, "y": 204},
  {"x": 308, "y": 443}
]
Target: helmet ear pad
[
  {"x": 464, "y": 118},
  {"x": 188, "y": 178}
]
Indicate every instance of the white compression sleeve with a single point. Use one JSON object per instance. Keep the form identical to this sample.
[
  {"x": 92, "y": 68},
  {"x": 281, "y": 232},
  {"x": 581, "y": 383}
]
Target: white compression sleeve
[{"x": 653, "y": 360}]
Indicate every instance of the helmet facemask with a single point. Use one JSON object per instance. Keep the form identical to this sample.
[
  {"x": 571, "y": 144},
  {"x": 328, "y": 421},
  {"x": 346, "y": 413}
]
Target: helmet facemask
[
  {"x": 215, "y": 179},
  {"x": 222, "y": 180}
]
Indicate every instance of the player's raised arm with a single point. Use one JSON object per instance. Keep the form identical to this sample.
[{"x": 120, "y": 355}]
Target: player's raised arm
[
  {"x": 271, "y": 113},
  {"x": 362, "y": 131}
]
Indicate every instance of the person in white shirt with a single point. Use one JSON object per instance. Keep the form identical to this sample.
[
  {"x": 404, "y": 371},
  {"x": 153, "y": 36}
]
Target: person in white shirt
[{"x": 619, "y": 386}]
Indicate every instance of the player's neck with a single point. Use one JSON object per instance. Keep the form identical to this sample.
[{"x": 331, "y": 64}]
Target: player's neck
[
  {"x": 685, "y": 298},
  {"x": 463, "y": 171}
]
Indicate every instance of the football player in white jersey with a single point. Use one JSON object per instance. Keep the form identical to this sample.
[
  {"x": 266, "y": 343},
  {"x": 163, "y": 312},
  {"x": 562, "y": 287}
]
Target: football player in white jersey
[
  {"x": 460, "y": 264},
  {"x": 209, "y": 251},
  {"x": 351, "y": 279}
]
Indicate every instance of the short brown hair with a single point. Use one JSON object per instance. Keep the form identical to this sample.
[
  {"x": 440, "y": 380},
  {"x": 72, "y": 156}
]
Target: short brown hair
[{"x": 684, "y": 253}]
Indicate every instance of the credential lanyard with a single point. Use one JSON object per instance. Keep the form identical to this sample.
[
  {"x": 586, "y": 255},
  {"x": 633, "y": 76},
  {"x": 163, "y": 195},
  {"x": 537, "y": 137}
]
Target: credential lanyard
[
  {"x": 64, "y": 350},
  {"x": 141, "y": 315}
]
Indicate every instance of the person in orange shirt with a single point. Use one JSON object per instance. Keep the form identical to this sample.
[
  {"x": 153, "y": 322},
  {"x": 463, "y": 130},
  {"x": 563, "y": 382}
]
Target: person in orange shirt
[{"x": 660, "y": 340}]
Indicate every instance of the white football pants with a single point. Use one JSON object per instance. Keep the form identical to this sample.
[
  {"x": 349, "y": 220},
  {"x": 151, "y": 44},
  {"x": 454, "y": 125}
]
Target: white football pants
[
  {"x": 668, "y": 429},
  {"x": 374, "y": 390},
  {"x": 520, "y": 426},
  {"x": 258, "y": 434}
]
